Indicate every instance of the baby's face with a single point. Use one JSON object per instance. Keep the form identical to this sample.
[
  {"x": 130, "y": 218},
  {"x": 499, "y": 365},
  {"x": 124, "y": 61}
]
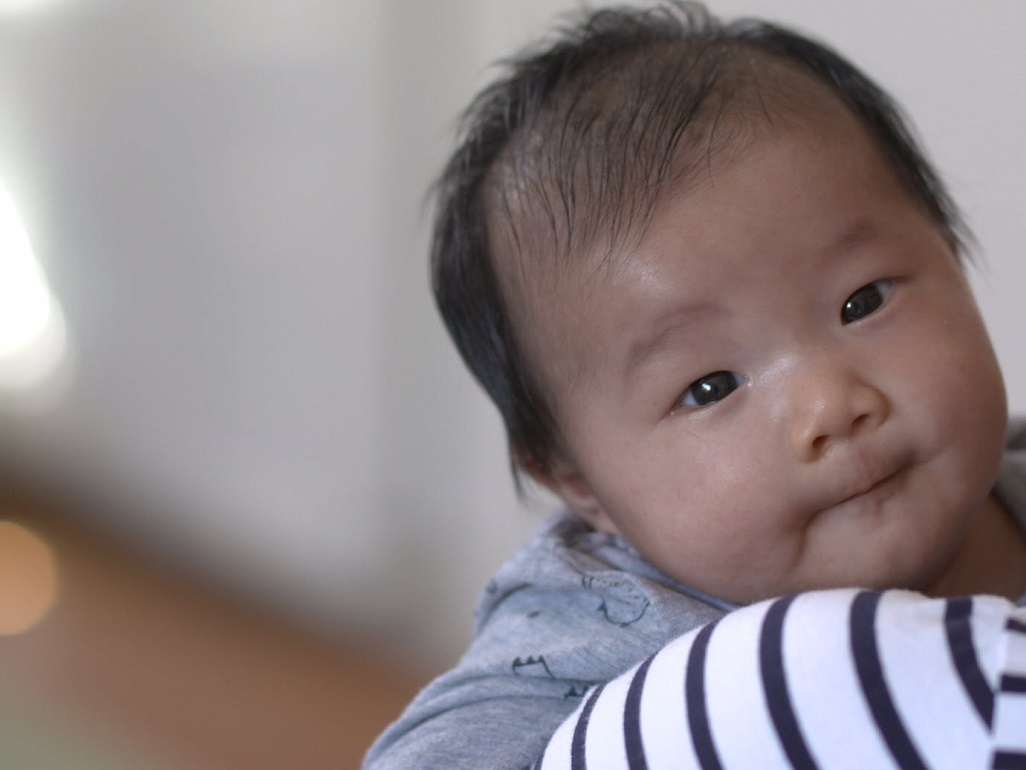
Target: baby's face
[{"x": 785, "y": 385}]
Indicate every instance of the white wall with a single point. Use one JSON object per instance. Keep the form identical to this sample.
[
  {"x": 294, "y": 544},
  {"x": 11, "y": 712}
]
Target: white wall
[{"x": 227, "y": 197}]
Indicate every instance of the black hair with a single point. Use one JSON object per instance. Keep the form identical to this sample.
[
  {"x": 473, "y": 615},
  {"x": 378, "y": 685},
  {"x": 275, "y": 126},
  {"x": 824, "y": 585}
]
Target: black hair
[{"x": 590, "y": 126}]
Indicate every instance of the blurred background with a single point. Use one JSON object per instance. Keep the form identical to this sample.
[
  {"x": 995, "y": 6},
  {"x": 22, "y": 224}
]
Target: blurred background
[{"x": 248, "y": 494}]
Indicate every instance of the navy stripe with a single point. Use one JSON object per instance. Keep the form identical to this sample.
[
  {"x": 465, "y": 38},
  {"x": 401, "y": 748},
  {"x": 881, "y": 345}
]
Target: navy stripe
[
  {"x": 632, "y": 719},
  {"x": 963, "y": 655},
  {"x": 694, "y": 696},
  {"x": 1009, "y": 760},
  {"x": 1016, "y": 625},
  {"x": 581, "y": 732},
  {"x": 874, "y": 686},
  {"x": 774, "y": 683},
  {"x": 1013, "y": 684}
]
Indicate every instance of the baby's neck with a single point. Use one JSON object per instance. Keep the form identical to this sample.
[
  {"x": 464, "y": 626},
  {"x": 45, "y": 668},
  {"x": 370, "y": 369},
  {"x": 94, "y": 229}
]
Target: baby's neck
[{"x": 991, "y": 560}]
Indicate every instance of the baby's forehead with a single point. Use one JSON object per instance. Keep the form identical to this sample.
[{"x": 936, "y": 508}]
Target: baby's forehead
[
  {"x": 557, "y": 223},
  {"x": 580, "y": 181}
]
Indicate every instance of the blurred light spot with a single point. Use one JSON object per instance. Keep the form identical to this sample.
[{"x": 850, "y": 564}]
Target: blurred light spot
[
  {"x": 28, "y": 579},
  {"x": 27, "y": 6},
  {"x": 32, "y": 334}
]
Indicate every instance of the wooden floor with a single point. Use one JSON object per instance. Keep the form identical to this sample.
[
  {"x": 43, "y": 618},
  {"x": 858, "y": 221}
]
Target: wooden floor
[{"x": 180, "y": 678}]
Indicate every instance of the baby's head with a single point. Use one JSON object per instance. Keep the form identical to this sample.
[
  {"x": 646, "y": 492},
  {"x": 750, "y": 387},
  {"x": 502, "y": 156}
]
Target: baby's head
[{"x": 714, "y": 289}]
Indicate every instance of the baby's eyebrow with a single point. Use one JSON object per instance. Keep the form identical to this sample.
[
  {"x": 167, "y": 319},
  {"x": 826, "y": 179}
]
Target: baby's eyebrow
[
  {"x": 859, "y": 232},
  {"x": 648, "y": 346}
]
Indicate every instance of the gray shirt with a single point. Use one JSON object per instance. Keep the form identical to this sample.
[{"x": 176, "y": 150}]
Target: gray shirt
[{"x": 570, "y": 609}]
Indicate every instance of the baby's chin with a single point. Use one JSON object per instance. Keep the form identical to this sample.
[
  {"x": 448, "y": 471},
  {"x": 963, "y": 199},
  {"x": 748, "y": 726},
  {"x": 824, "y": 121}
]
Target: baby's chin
[{"x": 904, "y": 576}]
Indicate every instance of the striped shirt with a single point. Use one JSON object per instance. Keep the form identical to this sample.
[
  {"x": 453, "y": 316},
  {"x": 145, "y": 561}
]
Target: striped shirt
[{"x": 827, "y": 679}]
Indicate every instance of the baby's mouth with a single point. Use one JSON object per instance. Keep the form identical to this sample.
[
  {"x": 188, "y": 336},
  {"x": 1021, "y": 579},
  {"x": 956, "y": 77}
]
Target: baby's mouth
[{"x": 881, "y": 485}]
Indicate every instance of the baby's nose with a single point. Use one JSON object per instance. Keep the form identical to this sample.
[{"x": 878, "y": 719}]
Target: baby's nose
[{"x": 832, "y": 404}]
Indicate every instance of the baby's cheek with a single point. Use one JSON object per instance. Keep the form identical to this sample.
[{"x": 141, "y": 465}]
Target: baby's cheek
[
  {"x": 945, "y": 364},
  {"x": 966, "y": 413},
  {"x": 970, "y": 381}
]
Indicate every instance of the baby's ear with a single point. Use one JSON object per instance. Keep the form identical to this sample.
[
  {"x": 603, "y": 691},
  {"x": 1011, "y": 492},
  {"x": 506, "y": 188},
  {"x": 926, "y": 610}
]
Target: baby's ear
[{"x": 564, "y": 480}]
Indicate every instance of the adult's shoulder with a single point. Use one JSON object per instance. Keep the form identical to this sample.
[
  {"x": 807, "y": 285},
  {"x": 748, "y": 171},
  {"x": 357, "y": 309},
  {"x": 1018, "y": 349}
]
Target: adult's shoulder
[{"x": 836, "y": 678}]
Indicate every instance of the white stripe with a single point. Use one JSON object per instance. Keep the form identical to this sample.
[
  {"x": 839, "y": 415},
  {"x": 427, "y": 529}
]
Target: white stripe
[
  {"x": 990, "y": 614},
  {"x": 927, "y": 691},
  {"x": 742, "y": 731},
  {"x": 664, "y": 725},
  {"x": 825, "y": 690},
  {"x": 557, "y": 754},
  {"x": 604, "y": 748}
]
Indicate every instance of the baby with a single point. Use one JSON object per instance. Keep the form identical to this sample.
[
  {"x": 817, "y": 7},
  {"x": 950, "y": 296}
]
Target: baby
[{"x": 717, "y": 293}]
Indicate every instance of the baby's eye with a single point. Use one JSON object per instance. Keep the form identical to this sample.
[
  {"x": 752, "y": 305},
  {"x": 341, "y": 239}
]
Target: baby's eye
[
  {"x": 866, "y": 300},
  {"x": 711, "y": 388}
]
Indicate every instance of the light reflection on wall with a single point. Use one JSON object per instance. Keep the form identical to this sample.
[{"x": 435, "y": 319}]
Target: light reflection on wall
[
  {"x": 28, "y": 579},
  {"x": 33, "y": 337}
]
